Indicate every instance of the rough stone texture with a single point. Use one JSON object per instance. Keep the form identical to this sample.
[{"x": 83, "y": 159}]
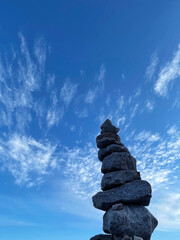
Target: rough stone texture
[
  {"x": 118, "y": 161},
  {"x": 117, "y": 206},
  {"x": 115, "y": 179},
  {"x": 137, "y": 238},
  {"x": 102, "y": 153},
  {"x": 126, "y": 238},
  {"x": 120, "y": 238},
  {"x": 137, "y": 192},
  {"x": 108, "y": 135},
  {"x": 131, "y": 220},
  {"x": 108, "y": 127},
  {"x": 102, "y": 237},
  {"x": 106, "y": 141}
]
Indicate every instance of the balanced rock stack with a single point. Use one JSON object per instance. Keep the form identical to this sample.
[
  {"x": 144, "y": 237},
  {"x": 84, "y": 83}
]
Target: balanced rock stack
[{"x": 124, "y": 195}]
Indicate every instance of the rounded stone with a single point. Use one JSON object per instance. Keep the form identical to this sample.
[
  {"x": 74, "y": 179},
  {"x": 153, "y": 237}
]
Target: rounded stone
[
  {"x": 102, "y": 153},
  {"x": 131, "y": 220},
  {"x": 117, "y": 161},
  {"x": 118, "y": 178}
]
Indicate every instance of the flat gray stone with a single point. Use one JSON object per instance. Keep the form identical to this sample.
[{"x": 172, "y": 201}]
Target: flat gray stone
[
  {"x": 117, "y": 161},
  {"x": 102, "y": 153},
  {"x": 131, "y": 220},
  {"x": 137, "y": 192},
  {"x": 118, "y": 178},
  {"x": 102, "y": 237},
  {"x": 108, "y": 127}
]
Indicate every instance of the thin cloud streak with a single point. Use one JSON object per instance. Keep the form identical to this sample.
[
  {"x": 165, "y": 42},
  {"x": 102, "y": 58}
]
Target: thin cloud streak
[
  {"x": 93, "y": 93},
  {"x": 168, "y": 74},
  {"x": 150, "y": 70},
  {"x": 67, "y": 92}
]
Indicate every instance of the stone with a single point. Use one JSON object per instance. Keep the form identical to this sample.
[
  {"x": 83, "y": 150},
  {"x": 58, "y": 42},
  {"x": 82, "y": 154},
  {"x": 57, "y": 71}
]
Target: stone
[
  {"x": 102, "y": 237},
  {"x": 104, "y": 141},
  {"x": 118, "y": 178},
  {"x": 109, "y": 135},
  {"x": 124, "y": 195},
  {"x": 117, "y": 206},
  {"x": 131, "y": 220},
  {"x": 117, "y": 238},
  {"x": 137, "y": 238},
  {"x": 137, "y": 192},
  {"x": 127, "y": 238},
  {"x": 102, "y": 153},
  {"x": 120, "y": 238},
  {"x": 108, "y": 127},
  {"x": 118, "y": 161}
]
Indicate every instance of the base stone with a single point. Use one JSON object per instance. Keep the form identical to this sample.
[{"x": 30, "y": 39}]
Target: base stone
[{"x": 130, "y": 220}]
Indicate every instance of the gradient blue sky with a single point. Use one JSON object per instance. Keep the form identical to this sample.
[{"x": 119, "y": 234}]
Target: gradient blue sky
[{"x": 66, "y": 66}]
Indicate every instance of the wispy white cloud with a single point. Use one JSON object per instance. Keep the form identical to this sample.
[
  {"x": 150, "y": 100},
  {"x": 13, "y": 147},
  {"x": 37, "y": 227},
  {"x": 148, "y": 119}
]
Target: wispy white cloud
[
  {"x": 27, "y": 159},
  {"x": 55, "y": 111},
  {"x": 156, "y": 156},
  {"x": 149, "y": 105},
  {"x": 150, "y": 70},
  {"x": 40, "y": 52},
  {"x": 147, "y": 136},
  {"x": 137, "y": 92},
  {"x": 12, "y": 221},
  {"x": 122, "y": 76},
  {"x": 82, "y": 73},
  {"x": 93, "y": 93},
  {"x": 82, "y": 170},
  {"x": 176, "y": 102},
  {"x": 108, "y": 100},
  {"x": 73, "y": 128},
  {"x": 68, "y": 91},
  {"x": 28, "y": 73},
  {"x": 54, "y": 115},
  {"x": 134, "y": 111},
  {"x": 90, "y": 97},
  {"x": 167, "y": 211},
  {"x": 50, "y": 80},
  {"x": 121, "y": 120},
  {"x": 20, "y": 76},
  {"x": 82, "y": 113},
  {"x": 100, "y": 77},
  {"x": 168, "y": 74},
  {"x": 172, "y": 130},
  {"x": 120, "y": 102}
]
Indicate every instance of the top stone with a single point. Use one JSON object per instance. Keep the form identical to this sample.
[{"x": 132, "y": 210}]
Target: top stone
[{"x": 108, "y": 127}]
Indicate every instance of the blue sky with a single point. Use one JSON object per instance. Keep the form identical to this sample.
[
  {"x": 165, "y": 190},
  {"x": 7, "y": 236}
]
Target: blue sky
[{"x": 66, "y": 66}]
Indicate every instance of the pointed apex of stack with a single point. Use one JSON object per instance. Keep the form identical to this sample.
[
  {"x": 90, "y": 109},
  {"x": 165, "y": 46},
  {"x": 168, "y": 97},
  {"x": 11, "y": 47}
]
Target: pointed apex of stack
[{"x": 108, "y": 127}]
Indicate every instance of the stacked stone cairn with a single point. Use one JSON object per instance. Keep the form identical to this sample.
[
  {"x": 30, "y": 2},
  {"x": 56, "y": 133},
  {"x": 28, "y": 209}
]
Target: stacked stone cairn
[{"x": 124, "y": 195}]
